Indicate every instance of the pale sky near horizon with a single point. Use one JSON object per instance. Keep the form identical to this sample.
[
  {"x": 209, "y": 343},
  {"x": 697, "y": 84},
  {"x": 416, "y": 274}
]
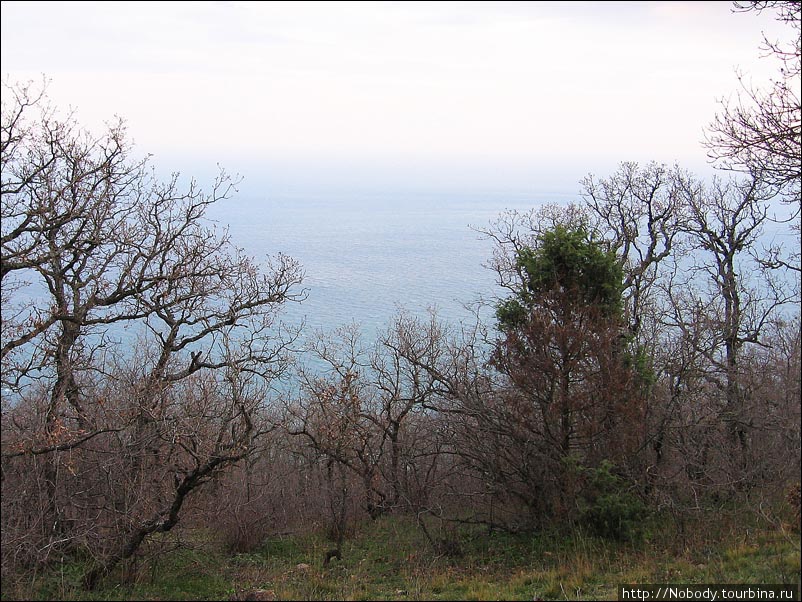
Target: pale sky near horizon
[{"x": 528, "y": 87}]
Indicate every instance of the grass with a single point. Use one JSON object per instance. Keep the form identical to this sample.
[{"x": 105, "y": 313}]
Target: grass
[{"x": 389, "y": 559}]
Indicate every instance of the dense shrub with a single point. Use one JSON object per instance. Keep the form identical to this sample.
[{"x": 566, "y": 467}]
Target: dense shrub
[{"x": 608, "y": 507}]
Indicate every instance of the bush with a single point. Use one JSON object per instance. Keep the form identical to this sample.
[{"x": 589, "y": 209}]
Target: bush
[{"x": 608, "y": 507}]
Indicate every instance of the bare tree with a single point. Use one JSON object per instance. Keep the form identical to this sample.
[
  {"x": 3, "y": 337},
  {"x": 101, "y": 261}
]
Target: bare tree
[
  {"x": 333, "y": 417},
  {"x": 761, "y": 132},
  {"x": 136, "y": 341},
  {"x": 639, "y": 211},
  {"x": 723, "y": 299},
  {"x": 359, "y": 401},
  {"x": 405, "y": 389}
]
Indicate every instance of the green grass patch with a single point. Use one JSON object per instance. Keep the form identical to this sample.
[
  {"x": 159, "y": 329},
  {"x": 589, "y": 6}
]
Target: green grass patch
[{"x": 389, "y": 559}]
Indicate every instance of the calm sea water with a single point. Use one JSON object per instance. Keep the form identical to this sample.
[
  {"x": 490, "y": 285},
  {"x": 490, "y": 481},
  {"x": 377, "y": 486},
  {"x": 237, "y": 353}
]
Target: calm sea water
[
  {"x": 365, "y": 256},
  {"x": 368, "y": 255}
]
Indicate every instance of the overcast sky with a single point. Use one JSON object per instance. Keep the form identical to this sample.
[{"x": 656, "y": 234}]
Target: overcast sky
[{"x": 530, "y": 87}]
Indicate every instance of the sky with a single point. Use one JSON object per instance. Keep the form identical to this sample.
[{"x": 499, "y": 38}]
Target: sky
[{"x": 383, "y": 93}]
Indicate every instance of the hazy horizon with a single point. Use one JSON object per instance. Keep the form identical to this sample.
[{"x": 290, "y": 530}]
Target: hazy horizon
[{"x": 475, "y": 96}]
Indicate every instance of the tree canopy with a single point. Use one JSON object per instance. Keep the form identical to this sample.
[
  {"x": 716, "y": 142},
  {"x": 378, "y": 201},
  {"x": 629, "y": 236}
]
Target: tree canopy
[{"x": 568, "y": 264}]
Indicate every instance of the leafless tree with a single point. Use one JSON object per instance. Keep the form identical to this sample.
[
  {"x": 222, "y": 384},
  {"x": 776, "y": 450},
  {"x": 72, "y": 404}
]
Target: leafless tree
[
  {"x": 761, "y": 131},
  {"x": 358, "y": 407},
  {"x": 723, "y": 300},
  {"x": 137, "y": 341},
  {"x": 333, "y": 416},
  {"x": 640, "y": 212}
]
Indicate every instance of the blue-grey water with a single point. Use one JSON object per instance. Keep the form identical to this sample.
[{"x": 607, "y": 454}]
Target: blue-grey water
[
  {"x": 365, "y": 255},
  {"x": 368, "y": 255}
]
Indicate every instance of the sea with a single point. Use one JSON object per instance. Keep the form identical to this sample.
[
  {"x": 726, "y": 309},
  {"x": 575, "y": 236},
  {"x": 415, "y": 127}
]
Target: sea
[{"x": 367, "y": 256}]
